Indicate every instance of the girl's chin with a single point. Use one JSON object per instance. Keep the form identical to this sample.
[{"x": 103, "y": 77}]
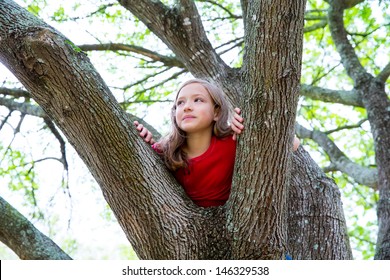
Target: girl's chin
[{"x": 189, "y": 129}]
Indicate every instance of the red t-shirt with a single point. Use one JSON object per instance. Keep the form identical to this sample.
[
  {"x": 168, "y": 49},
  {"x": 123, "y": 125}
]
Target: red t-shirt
[{"x": 208, "y": 178}]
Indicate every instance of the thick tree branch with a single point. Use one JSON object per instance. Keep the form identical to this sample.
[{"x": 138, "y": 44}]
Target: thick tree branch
[
  {"x": 351, "y": 98},
  {"x": 24, "y": 239},
  {"x": 362, "y": 175},
  {"x": 384, "y": 74},
  {"x": 309, "y": 212}
]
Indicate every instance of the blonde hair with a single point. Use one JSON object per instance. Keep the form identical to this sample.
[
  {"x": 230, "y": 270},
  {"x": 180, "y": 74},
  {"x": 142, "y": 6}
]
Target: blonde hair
[{"x": 171, "y": 145}]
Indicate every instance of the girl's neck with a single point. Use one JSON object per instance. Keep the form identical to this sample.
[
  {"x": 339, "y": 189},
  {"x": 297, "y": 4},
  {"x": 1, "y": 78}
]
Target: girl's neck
[{"x": 197, "y": 144}]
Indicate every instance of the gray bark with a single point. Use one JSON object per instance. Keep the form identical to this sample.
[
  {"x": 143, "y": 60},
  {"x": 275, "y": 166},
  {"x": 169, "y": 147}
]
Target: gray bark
[
  {"x": 269, "y": 105},
  {"x": 315, "y": 207}
]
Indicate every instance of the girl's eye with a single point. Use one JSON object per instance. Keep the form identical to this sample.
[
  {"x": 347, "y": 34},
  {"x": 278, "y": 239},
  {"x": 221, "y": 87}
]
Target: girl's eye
[
  {"x": 178, "y": 103},
  {"x": 198, "y": 100}
]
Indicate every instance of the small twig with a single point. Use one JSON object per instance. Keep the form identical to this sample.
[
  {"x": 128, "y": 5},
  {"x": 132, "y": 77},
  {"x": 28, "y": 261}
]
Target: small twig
[{"x": 57, "y": 134}]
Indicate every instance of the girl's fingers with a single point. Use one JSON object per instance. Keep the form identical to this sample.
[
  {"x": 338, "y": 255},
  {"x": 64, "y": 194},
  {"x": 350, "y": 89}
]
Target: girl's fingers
[
  {"x": 296, "y": 143},
  {"x": 237, "y": 126},
  {"x": 140, "y": 127},
  {"x": 237, "y": 115},
  {"x": 148, "y": 137},
  {"x": 238, "y": 118},
  {"x": 144, "y": 132},
  {"x": 235, "y": 129}
]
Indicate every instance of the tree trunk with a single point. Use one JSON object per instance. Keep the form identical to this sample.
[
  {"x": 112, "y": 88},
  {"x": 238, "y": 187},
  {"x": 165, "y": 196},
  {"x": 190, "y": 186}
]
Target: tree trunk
[
  {"x": 269, "y": 106},
  {"x": 157, "y": 217},
  {"x": 316, "y": 223}
]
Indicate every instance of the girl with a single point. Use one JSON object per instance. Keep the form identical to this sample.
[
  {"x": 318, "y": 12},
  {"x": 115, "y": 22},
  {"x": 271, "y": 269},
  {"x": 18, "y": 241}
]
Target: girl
[{"x": 200, "y": 149}]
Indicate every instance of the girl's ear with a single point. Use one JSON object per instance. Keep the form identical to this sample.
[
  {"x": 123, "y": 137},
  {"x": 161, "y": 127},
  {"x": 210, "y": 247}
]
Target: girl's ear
[{"x": 217, "y": 110}]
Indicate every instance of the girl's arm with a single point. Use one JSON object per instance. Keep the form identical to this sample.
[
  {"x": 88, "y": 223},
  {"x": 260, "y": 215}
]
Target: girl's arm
[{"x": 144, "y": 133}]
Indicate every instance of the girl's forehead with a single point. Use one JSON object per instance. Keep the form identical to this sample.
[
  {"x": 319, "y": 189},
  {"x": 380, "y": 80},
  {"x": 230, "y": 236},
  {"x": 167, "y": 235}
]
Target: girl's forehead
[{"x": 193, "y": 89}]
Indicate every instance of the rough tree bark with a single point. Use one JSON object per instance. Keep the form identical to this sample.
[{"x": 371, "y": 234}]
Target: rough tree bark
[
  {"x": 154, "y": 212},
  {"x": 269, "y": 105},
  {"x": 314, "y": 207}
]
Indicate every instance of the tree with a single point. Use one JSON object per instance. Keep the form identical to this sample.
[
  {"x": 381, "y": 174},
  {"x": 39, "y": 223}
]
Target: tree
[{"x": 268, "y": 212}]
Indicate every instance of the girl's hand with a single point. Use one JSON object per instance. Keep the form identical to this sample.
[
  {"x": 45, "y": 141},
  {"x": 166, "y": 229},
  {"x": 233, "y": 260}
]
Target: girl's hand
[
  {"x": 296, "y": 143},
  {"x": 144, "y": 133},
  {"x": 236, "y": 124}
]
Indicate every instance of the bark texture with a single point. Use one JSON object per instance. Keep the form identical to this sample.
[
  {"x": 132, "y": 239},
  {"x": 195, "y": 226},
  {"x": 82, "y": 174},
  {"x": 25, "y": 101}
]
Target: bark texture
[
  {"x": 269, "y": 106},
  {"x": 314, "y": 206}
]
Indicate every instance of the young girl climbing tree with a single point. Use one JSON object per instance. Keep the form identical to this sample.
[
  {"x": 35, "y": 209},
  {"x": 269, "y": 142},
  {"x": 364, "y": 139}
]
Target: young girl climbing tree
[{"x": 200, "y": 149}]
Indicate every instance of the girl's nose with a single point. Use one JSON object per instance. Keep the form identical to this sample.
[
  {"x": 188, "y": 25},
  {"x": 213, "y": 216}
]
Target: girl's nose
[{"x": 187, "y": 106}]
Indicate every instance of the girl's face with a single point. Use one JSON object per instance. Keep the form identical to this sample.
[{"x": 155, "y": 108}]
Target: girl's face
[{"x": 195, "y": 109}]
